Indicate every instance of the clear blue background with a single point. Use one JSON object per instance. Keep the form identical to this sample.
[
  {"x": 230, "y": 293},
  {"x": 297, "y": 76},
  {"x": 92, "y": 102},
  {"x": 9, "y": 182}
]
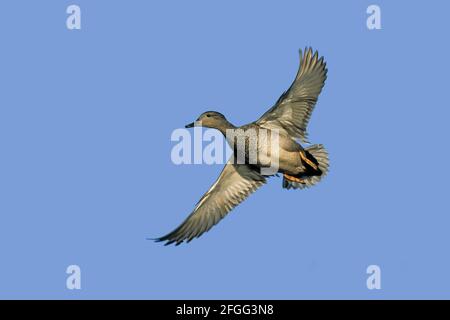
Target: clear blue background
[{"x": 85, "y": 170}]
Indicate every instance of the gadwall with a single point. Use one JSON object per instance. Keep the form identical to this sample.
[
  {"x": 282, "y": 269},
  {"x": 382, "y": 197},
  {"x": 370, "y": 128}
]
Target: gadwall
[{"x": 286, "y": 120}]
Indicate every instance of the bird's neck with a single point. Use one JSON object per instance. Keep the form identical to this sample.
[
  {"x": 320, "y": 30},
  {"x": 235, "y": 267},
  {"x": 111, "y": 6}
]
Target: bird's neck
[{"x": 224, "y": 126}]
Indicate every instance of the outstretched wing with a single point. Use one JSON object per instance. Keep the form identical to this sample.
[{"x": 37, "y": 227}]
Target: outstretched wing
[
  {"x": 234, "y": 185},
  {"x": 292, "y": 111}
]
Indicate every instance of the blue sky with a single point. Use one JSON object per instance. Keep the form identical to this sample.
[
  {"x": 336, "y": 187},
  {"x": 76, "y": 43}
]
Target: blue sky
[{"x": 86, "y": 176}]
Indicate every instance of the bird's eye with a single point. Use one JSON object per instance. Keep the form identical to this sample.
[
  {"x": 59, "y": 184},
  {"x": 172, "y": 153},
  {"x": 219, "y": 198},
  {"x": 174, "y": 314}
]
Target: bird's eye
[{"x": 208, "y": 115}]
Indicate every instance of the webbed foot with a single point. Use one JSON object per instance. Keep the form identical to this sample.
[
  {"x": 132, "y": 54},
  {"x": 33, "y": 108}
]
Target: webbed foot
[
  {"x": 293, "y": 179},
  {"x": 309, "y": 162}
]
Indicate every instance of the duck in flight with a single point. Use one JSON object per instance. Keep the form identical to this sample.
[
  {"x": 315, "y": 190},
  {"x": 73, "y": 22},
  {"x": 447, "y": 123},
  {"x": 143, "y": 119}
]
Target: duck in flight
[{"x": 300, "y": 166}]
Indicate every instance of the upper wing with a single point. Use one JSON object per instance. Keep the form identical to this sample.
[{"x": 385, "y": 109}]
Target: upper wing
[
  {"x": 234, "y": 185},
  {"x": 293, "y": 109}
]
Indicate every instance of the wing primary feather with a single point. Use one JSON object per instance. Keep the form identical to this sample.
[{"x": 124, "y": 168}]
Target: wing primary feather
[{"x": 235, "y": 184}]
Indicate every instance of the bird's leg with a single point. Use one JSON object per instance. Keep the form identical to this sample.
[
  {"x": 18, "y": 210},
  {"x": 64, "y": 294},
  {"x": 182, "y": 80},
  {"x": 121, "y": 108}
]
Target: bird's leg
[
  {"x": 309, "y": 162},
  {"x": 293, "y": 179}
]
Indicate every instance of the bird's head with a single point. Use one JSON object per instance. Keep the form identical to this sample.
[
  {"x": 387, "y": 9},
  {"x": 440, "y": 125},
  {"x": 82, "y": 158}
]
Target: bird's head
[{"x": 209, "y": 119}]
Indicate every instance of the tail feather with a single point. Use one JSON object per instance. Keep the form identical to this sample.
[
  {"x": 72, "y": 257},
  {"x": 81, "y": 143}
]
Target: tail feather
[{"x": 320, "y": 154}]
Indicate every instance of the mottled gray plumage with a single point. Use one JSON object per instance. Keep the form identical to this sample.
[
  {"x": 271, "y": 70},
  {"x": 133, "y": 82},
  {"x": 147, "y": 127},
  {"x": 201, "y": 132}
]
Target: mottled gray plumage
[{"x": 301, "y": 167}]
